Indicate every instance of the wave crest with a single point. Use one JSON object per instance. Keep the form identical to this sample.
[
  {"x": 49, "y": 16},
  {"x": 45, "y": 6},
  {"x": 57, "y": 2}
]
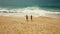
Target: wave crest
[{"x": 35, "y": 11}]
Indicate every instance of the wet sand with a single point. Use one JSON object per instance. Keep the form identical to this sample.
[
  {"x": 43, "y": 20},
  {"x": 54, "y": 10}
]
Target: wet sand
[{"x": 39, "y": 25}]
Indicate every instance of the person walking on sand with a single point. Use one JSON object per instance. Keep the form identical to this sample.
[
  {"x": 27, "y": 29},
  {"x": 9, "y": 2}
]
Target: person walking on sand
[
  {"x": 26, "y": 17},
  {"x": 31, "y": 17}
]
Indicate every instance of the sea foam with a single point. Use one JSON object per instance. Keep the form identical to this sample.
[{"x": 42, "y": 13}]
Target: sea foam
[{"x": 21, "y": 12}]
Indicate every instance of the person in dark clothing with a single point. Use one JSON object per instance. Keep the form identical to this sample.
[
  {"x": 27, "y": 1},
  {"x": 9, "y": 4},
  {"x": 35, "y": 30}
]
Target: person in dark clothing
[
  {"x": 31, "y": 17},
  {"x": 26, "y": 17}
]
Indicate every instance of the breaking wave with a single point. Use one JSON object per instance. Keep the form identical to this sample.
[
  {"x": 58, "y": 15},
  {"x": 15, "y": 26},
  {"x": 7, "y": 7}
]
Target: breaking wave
[{"x": 18, "y": 12}]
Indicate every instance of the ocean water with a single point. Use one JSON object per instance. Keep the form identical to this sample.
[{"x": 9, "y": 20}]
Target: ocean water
[
  {"x": 31, "y": 10},
  {"x": 49, "y": 5},
  {"x": 27, "y": 7}
]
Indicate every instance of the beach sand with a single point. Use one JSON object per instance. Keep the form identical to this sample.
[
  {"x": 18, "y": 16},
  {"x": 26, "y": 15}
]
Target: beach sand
[{"x": 39, "y": 25}]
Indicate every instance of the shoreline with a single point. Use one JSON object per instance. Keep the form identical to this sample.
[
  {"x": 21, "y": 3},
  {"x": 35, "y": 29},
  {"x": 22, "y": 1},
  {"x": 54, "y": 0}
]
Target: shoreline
[
  {"x": 36, "y": 12},
  {"x": 44, "y": 14}
]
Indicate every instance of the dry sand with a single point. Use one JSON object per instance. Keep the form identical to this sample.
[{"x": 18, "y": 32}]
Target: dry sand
[{"x": 39, "y": 25}]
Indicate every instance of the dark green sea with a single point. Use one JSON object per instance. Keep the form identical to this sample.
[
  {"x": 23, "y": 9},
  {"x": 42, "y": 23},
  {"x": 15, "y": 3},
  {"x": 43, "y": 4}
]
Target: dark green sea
[
  {"x": 47, "y": 5},
  {"x": 47, "y": 8}
]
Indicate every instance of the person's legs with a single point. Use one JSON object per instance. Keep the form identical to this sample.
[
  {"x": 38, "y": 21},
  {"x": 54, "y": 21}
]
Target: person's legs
[{"x": 27, "y": 18}]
